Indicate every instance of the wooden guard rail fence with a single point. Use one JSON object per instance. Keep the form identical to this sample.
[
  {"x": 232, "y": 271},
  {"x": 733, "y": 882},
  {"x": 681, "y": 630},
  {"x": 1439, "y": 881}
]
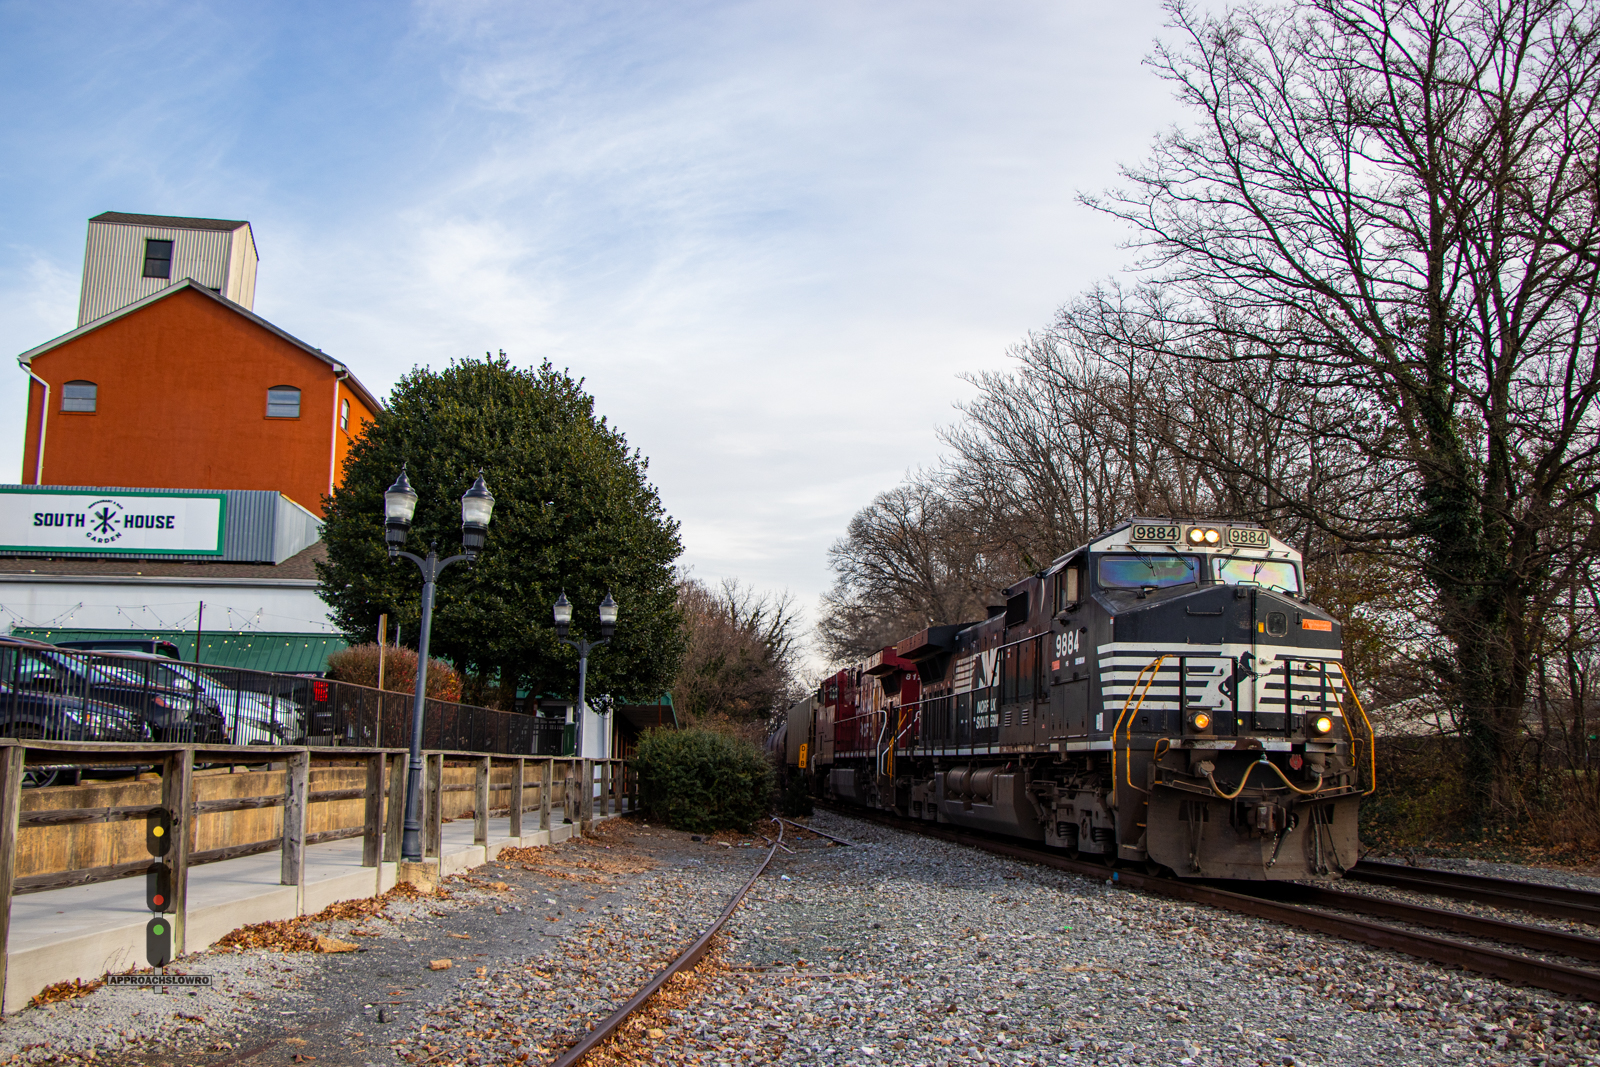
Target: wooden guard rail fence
[{"x": 383, "y": 794}]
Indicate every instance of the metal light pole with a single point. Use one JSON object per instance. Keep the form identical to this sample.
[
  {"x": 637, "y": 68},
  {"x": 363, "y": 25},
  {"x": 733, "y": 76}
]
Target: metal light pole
[
  {"x": 608, "y": 626},
  {"x": 399, "y": 506}
]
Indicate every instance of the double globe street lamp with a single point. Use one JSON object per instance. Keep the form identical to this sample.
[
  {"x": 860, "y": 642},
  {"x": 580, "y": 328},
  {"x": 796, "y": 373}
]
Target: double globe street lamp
[
  {"x": 608, "y": 626},
  {"x": 399, "y": 507}
]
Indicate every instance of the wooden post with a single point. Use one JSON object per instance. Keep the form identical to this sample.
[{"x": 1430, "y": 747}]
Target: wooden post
[
  {"x": 11, "y": 767},
  {"x": 480, "y": 803},
  {"x": 605, "y": 788},
  {"x": 518, "y": 766},
  {"x": 586, "y": 796},
  {"x": 433, "y": 806},
  {"x": 177, "y": 796},
  {"x": 547, "y": 774},
  {"x": 569, "y": 791},
  {"x": 372, "y": 828},
  {"x": 296, "y": 785},
  {"x": 395, "y": 813}
]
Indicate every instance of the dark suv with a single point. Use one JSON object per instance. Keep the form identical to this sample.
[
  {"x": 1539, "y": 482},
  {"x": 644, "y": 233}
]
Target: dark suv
[
  {"x": 55, "y": 694},
  {"x": 40, "y": 700}
]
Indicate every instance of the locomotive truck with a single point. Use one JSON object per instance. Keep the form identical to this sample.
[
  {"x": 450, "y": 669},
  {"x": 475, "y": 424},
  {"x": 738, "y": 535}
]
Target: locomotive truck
[{"x": 1163, "y": 696}]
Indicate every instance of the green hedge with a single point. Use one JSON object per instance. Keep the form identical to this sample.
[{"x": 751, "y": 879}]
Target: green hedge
[{"x": 700, "y": 781}]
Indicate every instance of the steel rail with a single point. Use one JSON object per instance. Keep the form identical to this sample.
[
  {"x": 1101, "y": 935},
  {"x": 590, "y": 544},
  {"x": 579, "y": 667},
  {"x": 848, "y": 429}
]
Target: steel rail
[
  {"x": 1524, "y": 935},
  {"x": 812, "y": 830},
  {"x": 687, "y": 959},
  {"x": 1557, "y": 977},
  {"x": 1555, "y": 901}
]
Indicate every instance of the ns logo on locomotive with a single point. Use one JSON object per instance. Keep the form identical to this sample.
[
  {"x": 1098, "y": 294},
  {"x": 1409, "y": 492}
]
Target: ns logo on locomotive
[{"x": 1164, "y": 696}]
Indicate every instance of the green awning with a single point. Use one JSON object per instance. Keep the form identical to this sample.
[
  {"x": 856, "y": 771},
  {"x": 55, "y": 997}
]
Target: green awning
[{"x": 246, "y": 649}]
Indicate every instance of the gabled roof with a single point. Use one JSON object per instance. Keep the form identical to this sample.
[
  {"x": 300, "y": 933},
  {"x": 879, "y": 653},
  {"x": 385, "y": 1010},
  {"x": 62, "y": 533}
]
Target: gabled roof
[
  {"x": 27, "y": 358},
  {"x": 170, "y": 221}
]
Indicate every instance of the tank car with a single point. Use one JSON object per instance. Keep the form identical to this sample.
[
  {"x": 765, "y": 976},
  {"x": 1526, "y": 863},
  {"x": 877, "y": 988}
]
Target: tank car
[{"x": 1164, "y": 695}]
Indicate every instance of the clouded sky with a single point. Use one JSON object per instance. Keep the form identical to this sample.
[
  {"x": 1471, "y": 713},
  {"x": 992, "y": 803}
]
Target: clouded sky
[{"x": 769, "y": 235}]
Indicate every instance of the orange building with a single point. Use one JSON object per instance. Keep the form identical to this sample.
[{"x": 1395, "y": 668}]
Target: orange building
[{"x": 185, "y": 389}]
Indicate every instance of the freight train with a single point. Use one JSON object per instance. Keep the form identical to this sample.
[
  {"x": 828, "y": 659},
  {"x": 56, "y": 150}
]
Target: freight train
[{"x": 1164, "y": 696}]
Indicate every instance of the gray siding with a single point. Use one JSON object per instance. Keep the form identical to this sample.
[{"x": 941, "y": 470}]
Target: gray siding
[{"x": 113, "y": 265}]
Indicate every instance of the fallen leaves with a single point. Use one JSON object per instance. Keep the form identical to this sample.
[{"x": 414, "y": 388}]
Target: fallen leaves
[
  {"x": 291, "y": 935},
  {"x": 279, "y": 935},
  {"x": 333, "y": 944},
  {"x": 440, "y": 965},
  {"x": 55, "y": 994}
]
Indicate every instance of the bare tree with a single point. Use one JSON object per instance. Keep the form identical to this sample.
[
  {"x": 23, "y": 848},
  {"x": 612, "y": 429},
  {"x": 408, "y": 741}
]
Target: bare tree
[
  {"x": 1393, "y": 204},
  {"x": 742, "y": 652},
  {"x": 912, "y": 558}
]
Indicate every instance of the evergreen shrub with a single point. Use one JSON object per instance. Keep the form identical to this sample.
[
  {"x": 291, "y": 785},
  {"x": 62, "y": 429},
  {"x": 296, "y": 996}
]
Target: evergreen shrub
[{"x": 702, "y": 781}]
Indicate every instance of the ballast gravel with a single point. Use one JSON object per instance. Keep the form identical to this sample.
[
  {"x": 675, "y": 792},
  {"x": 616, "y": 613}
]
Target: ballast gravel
[
  {"x": 904, "y": 949},
  {"x": 895, "y": 950}
]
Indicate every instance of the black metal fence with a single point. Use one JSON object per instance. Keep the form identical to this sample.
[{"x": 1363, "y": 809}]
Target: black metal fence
[{"x": 60, "y": 694}]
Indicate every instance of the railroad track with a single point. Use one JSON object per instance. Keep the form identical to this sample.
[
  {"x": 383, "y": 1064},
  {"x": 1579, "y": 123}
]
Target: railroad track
[
  {"x": 1554, "y": 901},
  {"x": 685, "y": 960},
  {"x": 1347, "y": 915}
]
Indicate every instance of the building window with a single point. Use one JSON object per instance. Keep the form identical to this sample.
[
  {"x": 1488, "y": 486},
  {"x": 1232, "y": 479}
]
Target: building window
[
  {"x": 78, "y": 396},
  {"x": 157, "y": 259},
  {"x": 344, "y": 415},
  {"x": 283, "y": 402}
]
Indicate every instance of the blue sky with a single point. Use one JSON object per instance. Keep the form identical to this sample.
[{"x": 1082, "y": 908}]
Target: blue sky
[{"x": 769, "y": 235}]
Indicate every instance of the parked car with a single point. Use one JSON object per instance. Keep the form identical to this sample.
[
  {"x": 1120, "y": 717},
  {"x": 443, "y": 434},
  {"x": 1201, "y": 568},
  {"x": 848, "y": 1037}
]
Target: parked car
[
  {"x": 171, "y": 708},
  {"x": 39, "y": 702},
  {"x": 154, "y": 645},
  {"x": 249, "y": 717}
]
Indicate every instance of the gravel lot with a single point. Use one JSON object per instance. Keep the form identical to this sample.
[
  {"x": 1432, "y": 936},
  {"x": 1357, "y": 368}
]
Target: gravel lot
[{"x": 899, "y": 949}]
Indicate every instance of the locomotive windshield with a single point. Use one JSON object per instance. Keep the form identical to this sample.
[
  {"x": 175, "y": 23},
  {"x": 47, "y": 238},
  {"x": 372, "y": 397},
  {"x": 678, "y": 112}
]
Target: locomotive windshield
[
  {"x": 1267, "y": 573},
  {"x": 1146, "y": 572}
]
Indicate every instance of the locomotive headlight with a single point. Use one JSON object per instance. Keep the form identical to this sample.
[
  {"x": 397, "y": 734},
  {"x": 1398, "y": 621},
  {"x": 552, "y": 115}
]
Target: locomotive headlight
[
  {"x": 1200, "y": 721},
  {"x": 1322, "y": 725},
  {"x": 1196, "y": 535},
  {"x": 1213, "y": 536}
]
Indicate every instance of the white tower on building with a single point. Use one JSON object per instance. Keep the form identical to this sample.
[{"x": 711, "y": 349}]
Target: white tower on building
[{"x": 129, "y": 257}]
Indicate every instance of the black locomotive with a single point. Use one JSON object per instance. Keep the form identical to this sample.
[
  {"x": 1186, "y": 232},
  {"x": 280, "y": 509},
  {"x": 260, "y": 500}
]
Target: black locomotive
[{"x": 1164, "y": 696}]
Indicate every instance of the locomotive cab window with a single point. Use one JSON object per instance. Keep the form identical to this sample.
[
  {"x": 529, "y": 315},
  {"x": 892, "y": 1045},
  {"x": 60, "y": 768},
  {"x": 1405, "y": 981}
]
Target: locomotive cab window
[
  {"x": 1279, "y": 575},
  {"x": 1147, "y": 572},
  {"x": 1068, "y": 584}
]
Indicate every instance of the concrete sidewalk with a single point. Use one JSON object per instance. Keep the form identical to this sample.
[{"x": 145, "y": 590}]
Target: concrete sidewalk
[{"x": 85, "y": 932}]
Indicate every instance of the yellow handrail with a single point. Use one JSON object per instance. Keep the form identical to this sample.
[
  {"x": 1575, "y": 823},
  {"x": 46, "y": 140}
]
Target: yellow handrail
[
  {"x": 1154, "y": 667},
  {"x": 1271, "y": 766},
  {"x": 1372, "y": 738}
]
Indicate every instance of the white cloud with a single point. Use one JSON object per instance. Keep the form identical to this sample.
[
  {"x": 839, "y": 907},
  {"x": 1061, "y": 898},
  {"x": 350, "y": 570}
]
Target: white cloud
[{"x": 770, "y": 235}]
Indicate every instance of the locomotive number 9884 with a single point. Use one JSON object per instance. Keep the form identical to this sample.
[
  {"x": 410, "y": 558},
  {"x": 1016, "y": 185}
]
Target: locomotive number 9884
[{"x": 1164, "y": 695}]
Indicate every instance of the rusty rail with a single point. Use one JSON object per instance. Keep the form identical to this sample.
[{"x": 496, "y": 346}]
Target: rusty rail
[
  {"x": 690, "y": 956},
  {"x": 1555, "y": 901},
  {"x": 1557, "y": 977},
  {"x": 810, "y": 830}
]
